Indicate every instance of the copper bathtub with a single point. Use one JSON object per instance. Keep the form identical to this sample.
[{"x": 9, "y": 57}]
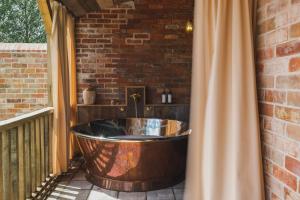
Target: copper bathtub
[{"x": 134, "y": 154}]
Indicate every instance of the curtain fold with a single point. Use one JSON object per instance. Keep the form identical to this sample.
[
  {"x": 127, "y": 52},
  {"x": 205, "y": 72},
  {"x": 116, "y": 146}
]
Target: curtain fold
[
  {"x": 224, "y": 160},
  {"x": 62, "y": 51},
  {"x": 73, "y": 149}
]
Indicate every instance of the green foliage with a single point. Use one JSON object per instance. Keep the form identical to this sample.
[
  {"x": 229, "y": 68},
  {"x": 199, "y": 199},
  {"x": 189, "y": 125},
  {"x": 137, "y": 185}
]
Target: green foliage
[{"x": 20, "y": 21}]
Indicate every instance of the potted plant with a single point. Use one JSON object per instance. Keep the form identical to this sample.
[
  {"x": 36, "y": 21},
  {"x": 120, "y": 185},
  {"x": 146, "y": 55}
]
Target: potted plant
[{"x": 89, "y": 95}]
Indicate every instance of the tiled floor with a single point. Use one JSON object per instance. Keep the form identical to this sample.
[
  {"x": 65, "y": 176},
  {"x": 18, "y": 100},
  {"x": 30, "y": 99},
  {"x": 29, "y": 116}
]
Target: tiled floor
[{"x": 74, "y": 186}]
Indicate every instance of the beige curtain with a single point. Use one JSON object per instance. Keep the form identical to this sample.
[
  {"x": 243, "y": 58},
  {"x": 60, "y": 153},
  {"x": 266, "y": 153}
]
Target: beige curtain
[
  {"x": 224, "y": 159},
  {"x": 73, "y": 148},
  {"x": 62, "y": 51}
]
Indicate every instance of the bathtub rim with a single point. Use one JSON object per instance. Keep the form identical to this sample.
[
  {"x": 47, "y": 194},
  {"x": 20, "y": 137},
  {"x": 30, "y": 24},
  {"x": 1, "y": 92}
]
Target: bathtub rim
[{"x": 183, "y": 134}]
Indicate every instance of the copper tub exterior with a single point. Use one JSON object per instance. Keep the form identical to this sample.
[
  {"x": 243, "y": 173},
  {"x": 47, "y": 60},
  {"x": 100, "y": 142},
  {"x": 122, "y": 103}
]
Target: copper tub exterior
[{"x": 134, "y": 165}]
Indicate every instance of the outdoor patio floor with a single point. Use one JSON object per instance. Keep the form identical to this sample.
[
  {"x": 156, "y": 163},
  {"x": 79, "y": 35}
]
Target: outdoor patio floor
[{"x": 74, "y": 186}]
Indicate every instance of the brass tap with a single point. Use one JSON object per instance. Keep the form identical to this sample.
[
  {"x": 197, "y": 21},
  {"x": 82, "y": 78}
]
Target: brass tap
[{"x": 135, "y": 96}]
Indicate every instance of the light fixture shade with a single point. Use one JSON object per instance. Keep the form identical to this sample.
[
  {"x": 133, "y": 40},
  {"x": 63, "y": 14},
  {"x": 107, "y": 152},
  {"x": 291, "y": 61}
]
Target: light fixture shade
[{"x": 189, "y": 27}]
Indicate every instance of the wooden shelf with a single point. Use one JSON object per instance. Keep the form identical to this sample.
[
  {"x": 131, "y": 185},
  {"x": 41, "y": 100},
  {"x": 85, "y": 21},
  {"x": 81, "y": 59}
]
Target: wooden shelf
[{"x": 123, "y": 105}]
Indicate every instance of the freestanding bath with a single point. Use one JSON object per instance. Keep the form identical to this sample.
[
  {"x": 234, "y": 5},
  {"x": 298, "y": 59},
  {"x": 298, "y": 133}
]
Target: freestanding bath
[{"x": 134, "y": 154}]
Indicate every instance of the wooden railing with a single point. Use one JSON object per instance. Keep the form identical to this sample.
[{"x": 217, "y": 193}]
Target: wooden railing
[{"x": 25, "y": 154}]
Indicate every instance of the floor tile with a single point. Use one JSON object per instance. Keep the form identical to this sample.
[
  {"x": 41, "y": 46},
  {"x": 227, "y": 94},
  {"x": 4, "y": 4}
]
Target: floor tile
[
  {"x": 100, "y": 195},
  {"x": 74, "y": 186},
  {"x": 178, "y": 194},
  {"x": 108, "y": 192},
  {"x": 166, "y": 194},
  {"x": 65, "y": 193},
  {"x": 132, "y": 196},
  {"x": 79, "y": 185}
]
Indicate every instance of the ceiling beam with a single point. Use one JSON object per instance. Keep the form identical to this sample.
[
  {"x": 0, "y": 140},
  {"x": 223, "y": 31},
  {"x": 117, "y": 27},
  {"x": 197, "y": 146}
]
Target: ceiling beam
[
  {"x": 46, "y": 14},
  {"x": 74, "y": 6},
  {"x": 105, "y": 3},
  {"x": 89, "y": 5}
]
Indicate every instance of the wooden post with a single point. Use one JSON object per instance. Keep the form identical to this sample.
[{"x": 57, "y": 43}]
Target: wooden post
[{"x": 46, "y": 15}]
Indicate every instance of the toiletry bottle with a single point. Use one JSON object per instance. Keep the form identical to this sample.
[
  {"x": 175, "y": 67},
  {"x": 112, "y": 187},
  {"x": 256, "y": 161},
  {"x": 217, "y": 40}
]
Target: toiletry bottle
[
  {"x": 164, "y": 97},
  {"x": 169, "y": 97}
]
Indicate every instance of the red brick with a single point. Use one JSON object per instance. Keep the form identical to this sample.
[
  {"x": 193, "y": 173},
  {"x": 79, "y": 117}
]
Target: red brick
[
  {"x": 276, "y": 7},
  {"x": 260, "y": 67},
  {"x": 274, "y": 197},
  {"x": 130, "y": 41},
  {"x": 266, "y": 109},
  {"x": 293, "y": 131},
  {"x": 295, "y": 1},
  {"x": 19, "y": 65},
  {"x": 92, "y": 15},
  {"x": 275, "y": 96},
  {"x": 125, "y": 46},
  {"x": 264, "y": 54},
  {"x": 285, "y": 177},
  {"x": 95, "y": 25},
  {"x": 295, "y": 30},
  {"x": 288, "y": 114},
  {"x": 265, "y": 81},
  {"x": 21, "y": 105},
  {"x": 89, "y": 40},
  {"x": 141, "y": 35},
  {"x": 288, "y": 48},
  {"x": 290, "y": 195},
  {"x": 293, "y": 98},
  {"x": 292, "y": 165},
  {"x": 267, "y": 25},
  {"x": 83, "y": 20},
  {"x": 5, "y": 55},
  {"x": 262, "y": 2},
  {"x": 294, "y": 64},
  {"x": 288, "y": 82}
]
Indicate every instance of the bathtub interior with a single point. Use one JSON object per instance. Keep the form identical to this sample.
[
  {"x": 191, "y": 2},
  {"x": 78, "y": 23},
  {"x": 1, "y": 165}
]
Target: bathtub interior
[{"x": 132, "y": 129}]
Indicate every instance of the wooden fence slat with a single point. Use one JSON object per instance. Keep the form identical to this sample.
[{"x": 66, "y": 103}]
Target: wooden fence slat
[
  {"x": 38, "y": 151},
  {"x": 33, "y": 156},
  {"x": 47, "y": 145},
  {"x": 27, "y": 161},
  {"x": 50, "y": 143},
  {"x": 5, "y": 150},
  {"x": 1, "y": 169},
  {"x": 42, "y": 135},
  {"x": 14, "y": 164},
  {"x": 26, "y": 155},
  {"x": 21, "y": 161}
]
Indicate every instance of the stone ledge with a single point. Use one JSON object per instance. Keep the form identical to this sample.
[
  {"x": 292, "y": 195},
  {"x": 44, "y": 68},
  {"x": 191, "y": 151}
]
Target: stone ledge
[{"x": 23, "y": 46}]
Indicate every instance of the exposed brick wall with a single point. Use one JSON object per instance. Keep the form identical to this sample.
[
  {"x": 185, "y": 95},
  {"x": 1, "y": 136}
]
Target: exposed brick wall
[
  {"x": 23, "y": 78},
  {"x": 278, "y": 66},
  {"x": 121, "y": 47}
]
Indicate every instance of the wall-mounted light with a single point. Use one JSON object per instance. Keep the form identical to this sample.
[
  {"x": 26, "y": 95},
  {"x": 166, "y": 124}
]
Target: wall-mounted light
[{"x": 189, "y": 27}]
